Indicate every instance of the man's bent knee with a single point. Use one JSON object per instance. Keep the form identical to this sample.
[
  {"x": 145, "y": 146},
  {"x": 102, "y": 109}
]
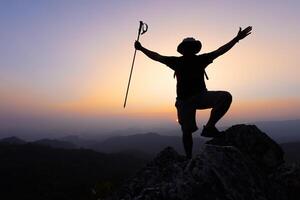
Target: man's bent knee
[{"x": 227, "y": 97}]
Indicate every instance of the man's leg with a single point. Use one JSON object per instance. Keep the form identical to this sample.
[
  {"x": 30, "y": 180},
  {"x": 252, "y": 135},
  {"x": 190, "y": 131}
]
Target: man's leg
[
  {"x": 186, "y": 118},
  {"x": 222, "y": 103},
  {"x": 187, "y": 140},
  {"x": 219, "y": 101}
]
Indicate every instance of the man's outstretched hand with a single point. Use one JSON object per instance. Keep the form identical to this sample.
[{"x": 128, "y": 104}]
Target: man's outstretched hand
[
  {"x": 244, "y": 33},
  {"x": 137, "y": 45}
]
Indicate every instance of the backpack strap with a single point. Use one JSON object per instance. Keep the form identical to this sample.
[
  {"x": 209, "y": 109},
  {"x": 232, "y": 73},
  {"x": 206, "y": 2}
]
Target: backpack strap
[{"x": 204, "y": 74}]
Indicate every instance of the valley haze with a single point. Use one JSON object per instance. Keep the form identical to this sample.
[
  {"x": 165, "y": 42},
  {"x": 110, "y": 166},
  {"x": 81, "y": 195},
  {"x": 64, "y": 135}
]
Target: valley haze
[{"x": 280, "y": 131}]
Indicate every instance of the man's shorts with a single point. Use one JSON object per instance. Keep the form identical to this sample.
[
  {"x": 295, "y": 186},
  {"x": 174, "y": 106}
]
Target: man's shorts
[{"x": 186, "y": 109}]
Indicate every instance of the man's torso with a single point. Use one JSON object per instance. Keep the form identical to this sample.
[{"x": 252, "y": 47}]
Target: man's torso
[{"x": 189, "y": 73}]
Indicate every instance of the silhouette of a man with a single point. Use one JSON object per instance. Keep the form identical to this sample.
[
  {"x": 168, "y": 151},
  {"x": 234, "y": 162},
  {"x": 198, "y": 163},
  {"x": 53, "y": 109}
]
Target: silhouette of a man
[{"x": 191, "y": 89}]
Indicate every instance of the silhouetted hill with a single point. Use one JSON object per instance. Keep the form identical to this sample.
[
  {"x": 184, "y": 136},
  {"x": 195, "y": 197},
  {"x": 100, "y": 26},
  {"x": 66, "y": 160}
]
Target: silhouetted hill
[
  {"x": 55, "y": 143},
  {"x": 80, "y": 141},
  {"x": 12, "y": 140},
  {"x": 292, "y": 151},
  {"x": 241, "y": 164},
  {"x": 149, "y": 143},
  {"x": 136, "y": 153},
  {"x": 36, "y": 172}
]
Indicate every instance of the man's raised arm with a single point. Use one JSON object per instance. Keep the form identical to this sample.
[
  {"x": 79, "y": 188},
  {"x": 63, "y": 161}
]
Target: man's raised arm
[
  {"x": 151, "y": 54},
  {"x": 223, "y": 49}
]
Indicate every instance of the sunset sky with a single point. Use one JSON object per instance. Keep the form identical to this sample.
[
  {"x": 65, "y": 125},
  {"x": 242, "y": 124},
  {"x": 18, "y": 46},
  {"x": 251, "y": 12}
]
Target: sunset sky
[{"x": 67, "y": 62}]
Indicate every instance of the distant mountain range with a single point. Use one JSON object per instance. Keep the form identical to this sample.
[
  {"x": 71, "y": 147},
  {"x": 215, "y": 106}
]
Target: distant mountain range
[
  {"x": 140, "y": 145},
  {"x": 143, "y": 146},
  {"x": 150, "y": 143},
  {"x": 281, "y": 131},
  {"x": 146, "y": 145},
  {"x": 12, "y": 140},
  {"x": 55, "y": 143}
]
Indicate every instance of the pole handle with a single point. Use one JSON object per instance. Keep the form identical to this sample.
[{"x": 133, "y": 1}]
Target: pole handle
[{"x": 143, "y": 28}]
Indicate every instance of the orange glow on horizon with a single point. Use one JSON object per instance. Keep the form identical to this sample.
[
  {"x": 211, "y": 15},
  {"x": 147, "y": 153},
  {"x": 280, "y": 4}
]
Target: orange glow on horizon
[
  {"x": 75, "y": 61},
  {"x": 252, "y": 109}
]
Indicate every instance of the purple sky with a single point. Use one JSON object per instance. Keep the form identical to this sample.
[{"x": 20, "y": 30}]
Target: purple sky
[{"x": 66, "y": 63}]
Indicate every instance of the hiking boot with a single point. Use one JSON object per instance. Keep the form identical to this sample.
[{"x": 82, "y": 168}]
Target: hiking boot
[{"x": 210, "y": 132}]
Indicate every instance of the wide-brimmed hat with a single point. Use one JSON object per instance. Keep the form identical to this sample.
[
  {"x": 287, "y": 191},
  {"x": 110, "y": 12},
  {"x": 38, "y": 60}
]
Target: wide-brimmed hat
[{"x": 189, "y": 44}]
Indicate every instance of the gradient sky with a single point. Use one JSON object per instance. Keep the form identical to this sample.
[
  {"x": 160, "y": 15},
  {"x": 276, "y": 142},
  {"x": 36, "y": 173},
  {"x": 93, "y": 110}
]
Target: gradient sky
[{"x": 66, "y": 62}]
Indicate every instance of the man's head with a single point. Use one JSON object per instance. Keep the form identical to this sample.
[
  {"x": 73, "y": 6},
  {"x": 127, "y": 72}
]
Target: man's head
[{"x": 189, "y": 46}]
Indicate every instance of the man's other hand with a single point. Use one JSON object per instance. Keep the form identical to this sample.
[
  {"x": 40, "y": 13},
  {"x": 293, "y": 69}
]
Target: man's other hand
[
  {"x": 244, "y": 33},
  {"x": 137, "y": 45}
]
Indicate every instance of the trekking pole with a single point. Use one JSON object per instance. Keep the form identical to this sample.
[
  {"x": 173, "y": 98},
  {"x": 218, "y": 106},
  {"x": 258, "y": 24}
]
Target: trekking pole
[{"x": 142, "y": 29}]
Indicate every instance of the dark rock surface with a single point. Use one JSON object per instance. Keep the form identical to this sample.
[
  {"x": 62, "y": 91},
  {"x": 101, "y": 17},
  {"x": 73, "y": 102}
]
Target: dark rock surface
[
  {"x": 287, "y": 178},
  {"x": 242, "y": 164},
  {"x": 254, "y": 144}
]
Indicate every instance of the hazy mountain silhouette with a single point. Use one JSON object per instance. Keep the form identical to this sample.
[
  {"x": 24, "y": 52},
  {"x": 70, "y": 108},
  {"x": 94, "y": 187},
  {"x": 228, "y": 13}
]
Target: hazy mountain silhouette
[
  {"x": 56, "y": 143},
  {"x": 12, "y": 140},
  {"x": 149, "y": 143},
  {"x": 77, "y": 140},
  {"x": 143, "y": 146},
  {"x": 281, "y": 131},
  {"x": 44, "y": 142}
]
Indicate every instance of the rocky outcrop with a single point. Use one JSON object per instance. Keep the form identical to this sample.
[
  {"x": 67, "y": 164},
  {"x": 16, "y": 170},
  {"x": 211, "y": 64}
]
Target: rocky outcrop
[
  {"x": 254, "y": 144},
  {"x": 242, "y": 164},
  {"x": 287, "y": 178}
]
